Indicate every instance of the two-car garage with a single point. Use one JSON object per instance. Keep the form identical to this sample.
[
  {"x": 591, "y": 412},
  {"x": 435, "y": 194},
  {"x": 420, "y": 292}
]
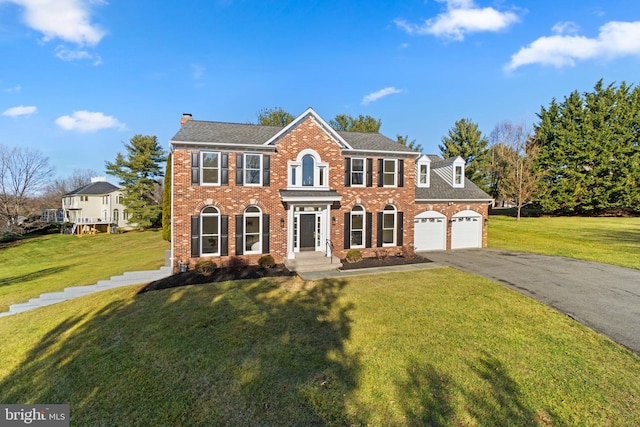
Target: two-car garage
[{"x": 430, "y": 230}]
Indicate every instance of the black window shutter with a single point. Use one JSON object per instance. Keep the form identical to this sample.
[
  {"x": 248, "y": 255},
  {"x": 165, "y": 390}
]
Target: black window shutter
[
  {"x": 368, "y": 230},
  {"x": 369, "y": 172},
  {"x": 239, "y": 234},
  {"x": 347, "y": 230},
  {"x": 266, "y": 171},
  {"x": 379, "y": 234},
  {"x": 239, "y": 170},
  {"x": 195, "y": 235},
  {"x": 347, "y": 172},
  {"x": 265, "y": 233},
  {"x": 400, "y": 173},
  {"x": 224, "y": 235},
  {"x": 195, "y": 168},
  {"x": 224, "y": 169},
  {"x": 380, "y": 172},
  {"x": 400, "y": 227}
]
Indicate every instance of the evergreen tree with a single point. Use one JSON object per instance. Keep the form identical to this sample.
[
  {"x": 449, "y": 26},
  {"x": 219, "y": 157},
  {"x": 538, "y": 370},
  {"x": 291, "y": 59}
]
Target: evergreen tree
[
  {"x": 589, "y": 151},
  {"x": 466, "y": 140},
  {"x": 138, "y": 172},
  {"x": 404, "y": 140},
  {"x": 166, "y": 202}
]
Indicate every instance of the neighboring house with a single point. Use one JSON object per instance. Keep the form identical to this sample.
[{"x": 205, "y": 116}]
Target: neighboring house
[
  {"x": 306, "y": 190},
  {"x": 95, "y": 207}
]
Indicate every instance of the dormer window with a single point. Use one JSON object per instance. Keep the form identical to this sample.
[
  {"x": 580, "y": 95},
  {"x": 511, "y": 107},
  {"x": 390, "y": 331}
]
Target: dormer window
[
  {"x": 423, "y": 171},
  {"x": 458, "y": 173}
]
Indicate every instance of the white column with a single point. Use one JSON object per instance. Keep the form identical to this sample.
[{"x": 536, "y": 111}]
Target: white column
[{"x": 290, "y": 249}]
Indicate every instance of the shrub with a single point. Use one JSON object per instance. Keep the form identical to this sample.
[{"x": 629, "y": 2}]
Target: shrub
[
  {"x": 205, "y": 267},
  {"x": 382, "y": 254},
  {"x": 354, "y": 255},
  {"x": 236, "y": 263},
  {"x": 407, "y": 252},
  {"x": 266, "y": 261}
]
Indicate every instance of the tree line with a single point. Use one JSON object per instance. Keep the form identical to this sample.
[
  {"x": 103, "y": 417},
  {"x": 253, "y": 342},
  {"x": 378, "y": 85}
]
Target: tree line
[{"x": 582, "y": 157}]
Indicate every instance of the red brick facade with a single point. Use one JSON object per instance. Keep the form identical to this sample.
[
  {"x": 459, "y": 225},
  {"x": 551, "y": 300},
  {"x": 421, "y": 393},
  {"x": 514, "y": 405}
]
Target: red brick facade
[{"x": 231, "y": 200}]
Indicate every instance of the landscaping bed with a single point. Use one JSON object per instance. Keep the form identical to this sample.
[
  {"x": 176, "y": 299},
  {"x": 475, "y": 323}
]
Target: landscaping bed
[
  {"x": 194, "y": 277},
  {"x": 382, "y": 262}
]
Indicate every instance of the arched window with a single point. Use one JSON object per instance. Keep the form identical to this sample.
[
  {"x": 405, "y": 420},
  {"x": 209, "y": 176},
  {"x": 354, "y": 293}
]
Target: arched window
[
  {"x": 308, "y": 170},
  {"x": 389, "y": 226},
  {"x": 252, "y": 230},
  {"x": 210, "y": 226},
  {"x": 357, "y": 227}
]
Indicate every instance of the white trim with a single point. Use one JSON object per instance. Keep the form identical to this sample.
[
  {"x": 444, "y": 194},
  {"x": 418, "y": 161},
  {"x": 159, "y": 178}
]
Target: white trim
[
  {"x": 458, "y": 163},
  {"x": 423, "y": 161},
  {"x": 309, "y": 112},
  {"x": 244, "y": 170},
  {"x": 357, "y": 151},
  {"x": 395, "y": 173},
  {"x": 202, "y": 167},
  {"x": 364, "y": 171},
  {"x": 363, "y": 214},
  {"x": 453, "y": 200},
  {"x": 395, "y": 224},
  {"x": 244, "y": 230}
]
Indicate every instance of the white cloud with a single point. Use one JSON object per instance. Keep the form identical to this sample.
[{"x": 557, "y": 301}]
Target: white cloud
[
  {"x": 87, "y": 121},
  {"x": 19, "y": 111},
  {"x": 616, "y": 39},
  {"x": 462, "y": 17},
  {"x": 67, "y": 54},
  {"x": 380, "y": 94},
  {"x": 68, "y": 20},
  {"x": 567, "y": 27}
]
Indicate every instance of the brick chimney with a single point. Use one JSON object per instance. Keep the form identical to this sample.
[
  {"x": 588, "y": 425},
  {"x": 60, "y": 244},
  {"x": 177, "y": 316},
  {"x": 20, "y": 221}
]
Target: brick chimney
[{"x": 185, "y": 118}]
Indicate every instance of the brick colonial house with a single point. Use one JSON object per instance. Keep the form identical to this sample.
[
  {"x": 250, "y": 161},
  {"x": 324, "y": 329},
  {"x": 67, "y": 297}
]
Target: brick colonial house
[{"x": 308, "y": 192}]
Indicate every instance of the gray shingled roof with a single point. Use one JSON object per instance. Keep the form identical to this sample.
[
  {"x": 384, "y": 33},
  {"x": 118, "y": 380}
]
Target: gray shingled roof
[
  {"x": 195, "y": 131},
  {"x": 95, "y": 188},
  {"x": 439, "y": 189},
  {"x": 322, "y": 194}
]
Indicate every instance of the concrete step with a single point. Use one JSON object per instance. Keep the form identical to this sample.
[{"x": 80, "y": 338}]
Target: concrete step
[
  {"x": 128, "y": 278},
  {"x": 312, "y": 261}
]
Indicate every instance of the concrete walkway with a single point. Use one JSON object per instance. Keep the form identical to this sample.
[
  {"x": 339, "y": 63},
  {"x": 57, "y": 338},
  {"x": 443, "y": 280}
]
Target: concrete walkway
[
  {"x": 604, "y": 297},
  {"x": 129, "y": 278}
]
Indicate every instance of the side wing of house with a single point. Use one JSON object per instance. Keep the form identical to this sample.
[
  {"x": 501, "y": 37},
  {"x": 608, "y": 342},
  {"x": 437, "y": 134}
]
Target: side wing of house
[{"x": 451, "y": 211}]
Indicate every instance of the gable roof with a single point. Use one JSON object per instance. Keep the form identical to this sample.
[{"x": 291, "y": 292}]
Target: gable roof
[
  {"x": 259, "y": 137},
  {"x": 95, "y": 188}
]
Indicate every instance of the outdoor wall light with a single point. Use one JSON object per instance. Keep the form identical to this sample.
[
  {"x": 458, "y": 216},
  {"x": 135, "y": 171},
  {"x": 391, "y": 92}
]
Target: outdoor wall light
[
  {"x": 334, "y": 221},
  {"x": 281, "y": 222}
]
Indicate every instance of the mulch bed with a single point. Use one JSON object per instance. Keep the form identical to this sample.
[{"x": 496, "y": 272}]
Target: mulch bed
[
  {"x": 382, "y": 262},
  {"x": 193, "y": 277}
]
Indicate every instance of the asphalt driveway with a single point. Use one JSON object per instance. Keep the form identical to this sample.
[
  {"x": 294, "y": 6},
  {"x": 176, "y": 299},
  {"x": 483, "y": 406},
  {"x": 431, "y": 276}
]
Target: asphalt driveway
[{"x": 603, "y": 297}]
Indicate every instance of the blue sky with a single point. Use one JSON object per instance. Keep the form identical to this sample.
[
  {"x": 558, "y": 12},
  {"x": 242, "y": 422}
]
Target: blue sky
[{"x": 79, "y": 78}]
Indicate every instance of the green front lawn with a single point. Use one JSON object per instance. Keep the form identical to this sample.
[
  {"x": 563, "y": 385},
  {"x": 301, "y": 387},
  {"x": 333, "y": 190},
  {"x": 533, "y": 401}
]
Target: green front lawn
[
  {"x": 437, "y": 347},
  {"x": 609, "y": 240},
  {"x": 51, "y": 263}
]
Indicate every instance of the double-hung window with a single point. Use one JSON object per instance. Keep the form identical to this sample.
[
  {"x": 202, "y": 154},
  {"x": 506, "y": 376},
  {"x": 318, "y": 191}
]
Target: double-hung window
[
  {"x": 252, "y": 169},
  {"x": 357, "y": 227},
  {"x": 458, "y": 175},
  {"x": 252, "y": 230},
  {"x": 389, "y": 226},
  {"x": 389, "y": 173},
  {"x": 357, "y": 172},
  {"x": 210, "y": 168},
  {"x": 210, "y": 236}
]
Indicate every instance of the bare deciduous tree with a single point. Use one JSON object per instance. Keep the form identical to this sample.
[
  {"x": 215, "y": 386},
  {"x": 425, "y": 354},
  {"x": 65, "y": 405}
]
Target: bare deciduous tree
[
  {"x": 23, "y": 172},
  {"x": 513, "y": 154}
]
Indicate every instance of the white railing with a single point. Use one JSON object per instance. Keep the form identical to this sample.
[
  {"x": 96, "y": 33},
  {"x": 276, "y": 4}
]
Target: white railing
[{"x": 93, "y": 220}]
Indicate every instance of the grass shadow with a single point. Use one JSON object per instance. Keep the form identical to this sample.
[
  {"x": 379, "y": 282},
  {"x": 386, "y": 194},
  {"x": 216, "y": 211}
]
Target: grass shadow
[
  {"x": 5, "y": 281},
  {"x": 232, "y": 353},
  {"x": 432, "y": 398}
]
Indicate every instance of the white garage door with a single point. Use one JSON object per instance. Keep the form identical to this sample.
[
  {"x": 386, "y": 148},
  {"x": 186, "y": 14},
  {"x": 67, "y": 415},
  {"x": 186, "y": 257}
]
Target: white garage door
[
  {"x": 430, "y": 231},
  {"x": 466, "y": 230}
]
